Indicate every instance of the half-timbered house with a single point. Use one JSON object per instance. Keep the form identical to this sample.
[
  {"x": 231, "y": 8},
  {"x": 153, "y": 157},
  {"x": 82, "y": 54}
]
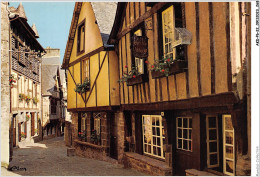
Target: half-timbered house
[
  {"x": 93, "y": 91},
  {"x": 53, "y": 113},
  {"x": 183, "y": 88},
  {"x": 25, "y": 77}
]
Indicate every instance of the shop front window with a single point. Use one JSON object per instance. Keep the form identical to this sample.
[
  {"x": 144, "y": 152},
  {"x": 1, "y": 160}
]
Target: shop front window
[{"x": 153, "y": 135}]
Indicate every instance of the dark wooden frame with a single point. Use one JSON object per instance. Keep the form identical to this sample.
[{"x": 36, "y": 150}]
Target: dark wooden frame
[{"x": 80, "y": 25}]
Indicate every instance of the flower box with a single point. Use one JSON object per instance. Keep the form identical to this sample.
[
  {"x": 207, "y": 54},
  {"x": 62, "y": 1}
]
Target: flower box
[
  {"x": 176, "y": 67},
  {"x": 137, "y": 80}
]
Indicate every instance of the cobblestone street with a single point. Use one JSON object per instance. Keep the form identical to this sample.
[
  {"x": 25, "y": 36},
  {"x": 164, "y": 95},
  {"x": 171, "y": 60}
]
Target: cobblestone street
[{"x": 49, "y": 158}]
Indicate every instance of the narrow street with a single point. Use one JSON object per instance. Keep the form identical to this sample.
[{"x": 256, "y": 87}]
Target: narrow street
[{"x": 49, "y": 158}]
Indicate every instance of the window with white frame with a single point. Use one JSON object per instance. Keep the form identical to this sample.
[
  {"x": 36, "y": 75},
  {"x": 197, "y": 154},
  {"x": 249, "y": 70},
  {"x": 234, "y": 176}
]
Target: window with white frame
[
  {"x": 97, "y": 119},
  {"x": 228, "y": 146},
  {"x": 85, "y": 69},
  {"x": 153, "y": 135},
  {"x": 168, "y": 26},
  {"x": 184, "y": 133}
]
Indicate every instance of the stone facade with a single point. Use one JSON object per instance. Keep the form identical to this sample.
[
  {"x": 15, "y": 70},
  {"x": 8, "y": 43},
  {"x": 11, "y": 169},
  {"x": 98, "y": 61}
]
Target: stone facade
[{"x": 5, "y": 88}]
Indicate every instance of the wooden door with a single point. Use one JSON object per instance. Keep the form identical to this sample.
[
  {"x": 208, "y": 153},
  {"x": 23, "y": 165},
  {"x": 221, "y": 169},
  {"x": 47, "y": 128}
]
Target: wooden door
[
  {"x": 32, "y": 124},
  {"x": 19, "y": 132},
  {"x": 14, "y": 131},
  {"x": 113, "y": 138}
]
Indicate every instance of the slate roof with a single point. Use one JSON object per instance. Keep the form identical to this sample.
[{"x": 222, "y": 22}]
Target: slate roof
[
  {"x": 49, "y": 73},
  {"x": 105, "y": 15}
]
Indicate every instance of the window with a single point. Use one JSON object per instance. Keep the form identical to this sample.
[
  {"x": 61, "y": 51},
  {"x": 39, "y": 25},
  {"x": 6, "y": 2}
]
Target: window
[
  {"x": 228, "y": 146},
  {"x": 139, "y": 62},
  {"x": 168, "y": 31},
  {"x": 81, "y": 38},
  {"x": 96, "y": 133},
  {"x": 53, "y": 106},
  {"x": 212, "y": 141},
  {"x": 153, "y": 135},
  {"x": 184, "y": 133},
  {"x": 85, "y": 69}
]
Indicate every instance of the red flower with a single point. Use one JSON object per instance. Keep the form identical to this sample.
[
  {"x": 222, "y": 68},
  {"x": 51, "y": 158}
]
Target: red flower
[
  {"x": 168, "y": 59},
  {"x": 146, "y": 61},
  {"x": 10, "y": 80},
  {"x": 125, "y": 66},
  {"x": 134, "y": 76},
  {"x": 152, "y": 66},
  {"x": 163, "y": 70},
  {"x": 14, "y": 81}
]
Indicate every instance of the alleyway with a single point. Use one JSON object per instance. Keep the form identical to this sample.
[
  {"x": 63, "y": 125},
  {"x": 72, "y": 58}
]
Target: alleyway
[{"x": 49, "y": 157}]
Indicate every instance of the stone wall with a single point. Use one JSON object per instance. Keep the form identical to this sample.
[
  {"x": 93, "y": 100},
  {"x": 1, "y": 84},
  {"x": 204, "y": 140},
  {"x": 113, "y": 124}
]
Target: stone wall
[
  {"x": 5, "y": 88},
  {"x": 120, "y": 123}
]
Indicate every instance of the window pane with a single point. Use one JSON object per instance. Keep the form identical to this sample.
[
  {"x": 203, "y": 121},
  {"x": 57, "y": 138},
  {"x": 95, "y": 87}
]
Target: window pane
[
  {"x": 179, "y": 133},
  {"x": 179, "y": 122},
  {"x": 213, "y": 146},
  {"x": 212, "y": 134},
  {"x": 189, "y": 134},
  {"x": 190, "y": 123},
  {"x": 185, "y": 133},
  {"x": 185, "y": 144},
  {"x": 159, "y": 151},
  {"x": 158, "y": 131},
  {"x": 180, "y": 143},
  {"x": 228, "y": 123},
  {"x": 154, "y": 150},
  {"x": 212, "y": 122},
  {"x": 149, "y": 148},
  {"x": 185, "y": 123},
  {"x": 229, "y": 138},
  {"x": 145, "y": 148},
  {"x": 190, "y": 145},
  {"x": 229, "y": 152},
  {"x": 154, "y": 140},
  {"x": 229, "y": 166},
  {"x": 213, "y": 159},
  {"x": 159, "y": 141},
  {"x": 154, "y": 131}
]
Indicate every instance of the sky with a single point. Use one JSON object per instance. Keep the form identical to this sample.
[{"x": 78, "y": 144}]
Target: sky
[{"x": 52, "y": 20}]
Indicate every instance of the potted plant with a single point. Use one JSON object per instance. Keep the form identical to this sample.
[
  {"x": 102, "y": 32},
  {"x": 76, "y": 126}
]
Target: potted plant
[
  {"x": 23, "y": 134},
  {"x": 82, "y": 135},
  {"x": 35, "y": 100},
  {"x": 167, "y": 66},
  {"x": 132, "y": 77},
  {"x": 36, "y": 131},
  {"x": 12, "y": 80},
  {"x": 27, "y": 117},
  {"x": 82, "y": 88},
  {"x": 95, "y": 138},
  {"x": 27, "y": 99},
  {"x": 21, "y": 97}
]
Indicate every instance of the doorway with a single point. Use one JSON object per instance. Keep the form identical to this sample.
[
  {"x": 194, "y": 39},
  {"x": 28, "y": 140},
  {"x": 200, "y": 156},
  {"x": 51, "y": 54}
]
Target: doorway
[{"x": 113, "y": 138}]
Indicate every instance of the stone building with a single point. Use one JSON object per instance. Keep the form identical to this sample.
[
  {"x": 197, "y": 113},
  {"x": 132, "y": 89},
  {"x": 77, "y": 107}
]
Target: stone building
[
  {"x": 184, "y": 91},
  {"x": 53, "y": 108},
  {"x": 21, "y": 95}
]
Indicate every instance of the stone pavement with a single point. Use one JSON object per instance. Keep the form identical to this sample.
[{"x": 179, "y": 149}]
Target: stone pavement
[{"x": 49, "y": 158}]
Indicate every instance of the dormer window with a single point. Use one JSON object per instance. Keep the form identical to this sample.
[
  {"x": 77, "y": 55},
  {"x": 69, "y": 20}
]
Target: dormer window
[{"x": 81, "y": 38}]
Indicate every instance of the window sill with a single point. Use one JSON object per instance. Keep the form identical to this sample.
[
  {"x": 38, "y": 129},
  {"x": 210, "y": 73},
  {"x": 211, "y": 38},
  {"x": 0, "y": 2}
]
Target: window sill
[
  {"x": 178, "y": 66},
  {"x": 90, "y": 145},
  {"x": 138, "y": 80}
]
